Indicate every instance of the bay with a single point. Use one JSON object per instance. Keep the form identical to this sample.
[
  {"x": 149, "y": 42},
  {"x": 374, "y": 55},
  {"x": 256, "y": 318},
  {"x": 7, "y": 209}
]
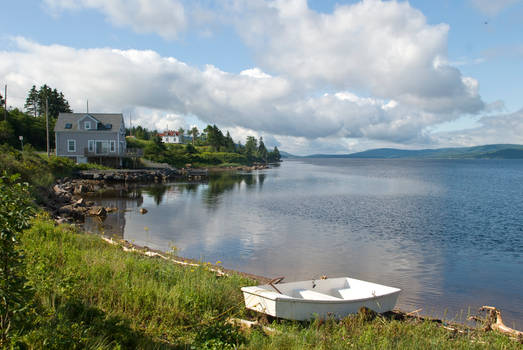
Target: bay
[{"x": 448, "y": 232}]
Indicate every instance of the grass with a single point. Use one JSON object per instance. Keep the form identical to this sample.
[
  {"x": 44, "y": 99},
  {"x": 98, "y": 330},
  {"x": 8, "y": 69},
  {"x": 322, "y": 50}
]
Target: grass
[
  {"x": 89, "y": 294},
  {"x": 159, "y": 302},
  {"x": 36, "y": 168}
]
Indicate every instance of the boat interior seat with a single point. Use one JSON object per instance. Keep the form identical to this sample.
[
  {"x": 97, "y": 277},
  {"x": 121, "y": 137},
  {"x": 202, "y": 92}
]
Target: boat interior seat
[
  {"x": 352, "y": 293},
  {"x": 312, "y": 295}
]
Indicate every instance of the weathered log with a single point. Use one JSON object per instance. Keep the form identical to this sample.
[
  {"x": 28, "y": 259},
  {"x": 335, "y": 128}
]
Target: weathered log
[{"x": 495, "y": 322}]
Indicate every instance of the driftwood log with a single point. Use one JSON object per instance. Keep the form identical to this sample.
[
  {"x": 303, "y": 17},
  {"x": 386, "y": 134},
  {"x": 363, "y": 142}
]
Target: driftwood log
[{"x": 494, "y": 322}]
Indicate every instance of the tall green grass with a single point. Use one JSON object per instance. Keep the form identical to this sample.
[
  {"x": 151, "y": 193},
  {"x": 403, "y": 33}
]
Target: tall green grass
[
  {"x": 89, "y": 294},
  {"x": 159, "y": 302}
]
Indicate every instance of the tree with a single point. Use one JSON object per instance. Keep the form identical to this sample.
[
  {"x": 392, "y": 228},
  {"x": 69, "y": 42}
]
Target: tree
[
  {"x": 2, "y": 101},
  {"x": 251, "y": 147},
  {"x": 194, "y": 133},
  {"x": 31, "y": 102},
  {"x": 262, "y": 151},
  {"x": 56, "y": 101},
  {"x": 229, "y": 143},
  {"x": 274, "y": 155},
  {"x": 215, "y": 137},
  {"x": 6, "y": 132}
]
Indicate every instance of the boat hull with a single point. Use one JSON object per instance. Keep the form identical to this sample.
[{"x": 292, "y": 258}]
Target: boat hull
[{"x": 298, "y": 303}]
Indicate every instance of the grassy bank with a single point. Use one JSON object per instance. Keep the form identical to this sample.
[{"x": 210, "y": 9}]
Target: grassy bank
[
  {"x": 36, "y": 168},
  {"x": 89, "y": 294}
]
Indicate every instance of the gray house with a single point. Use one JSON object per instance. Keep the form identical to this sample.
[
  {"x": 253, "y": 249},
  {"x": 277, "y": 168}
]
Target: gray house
[{"x": 91, "y": 137}]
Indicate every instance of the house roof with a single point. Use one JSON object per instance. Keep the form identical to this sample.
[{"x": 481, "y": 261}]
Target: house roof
[
  {"x": 116, "y": 119},
  {"x": 169, "y": 133}
]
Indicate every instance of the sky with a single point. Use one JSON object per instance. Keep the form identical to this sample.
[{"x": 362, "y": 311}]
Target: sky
[{"x": 317, "y": 76}]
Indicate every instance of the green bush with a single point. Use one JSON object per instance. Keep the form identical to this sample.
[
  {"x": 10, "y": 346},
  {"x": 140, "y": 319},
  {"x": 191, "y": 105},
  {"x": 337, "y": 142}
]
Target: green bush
[
  {"x": 222, "y": 157},
  {"x": 16, "y": 211},
  {"x": 219, "y": 336}
]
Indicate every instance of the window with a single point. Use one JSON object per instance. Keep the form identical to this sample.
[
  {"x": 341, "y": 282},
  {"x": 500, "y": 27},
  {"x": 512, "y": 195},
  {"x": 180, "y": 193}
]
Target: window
[
  {"x": 68, "y": 125},
  {"x": 87, "y": 125},
  {"x": 112, "y": 146},
  {"x": 90, "y": 145},
  {"x": 102, "y": 147},
  {"x": 71, "y": 145}
]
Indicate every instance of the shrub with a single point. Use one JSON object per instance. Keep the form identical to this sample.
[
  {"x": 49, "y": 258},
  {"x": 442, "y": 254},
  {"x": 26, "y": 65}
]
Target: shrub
[
  {"x": 218, "y": 336},
  {"x": 15, "y": 212}
]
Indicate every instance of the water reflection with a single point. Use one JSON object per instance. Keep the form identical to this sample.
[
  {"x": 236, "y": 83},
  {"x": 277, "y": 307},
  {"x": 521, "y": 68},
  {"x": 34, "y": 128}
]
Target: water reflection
[
  {"x": 129, "y": 198},
  {"x": 226, "y": 181}
]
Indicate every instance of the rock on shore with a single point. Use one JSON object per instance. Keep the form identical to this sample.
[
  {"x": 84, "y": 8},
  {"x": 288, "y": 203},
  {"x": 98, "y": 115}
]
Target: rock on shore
[{"x": 65, "y": 199}]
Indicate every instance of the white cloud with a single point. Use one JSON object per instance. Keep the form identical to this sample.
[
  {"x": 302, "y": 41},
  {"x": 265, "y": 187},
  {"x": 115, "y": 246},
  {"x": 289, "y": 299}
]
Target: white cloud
[
  {"x": 164, "y": 17},
  {"x": 493, "y": 7},
  {"x": 385, "y": 69},
  {"x": 116, "y": 80},
  {"x": 506, "y": 128},
  {"x": 384, "y": 48}
]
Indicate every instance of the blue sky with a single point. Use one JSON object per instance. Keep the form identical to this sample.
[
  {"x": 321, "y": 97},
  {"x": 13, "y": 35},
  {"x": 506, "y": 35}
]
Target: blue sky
[{"x": 308, "y": 76}]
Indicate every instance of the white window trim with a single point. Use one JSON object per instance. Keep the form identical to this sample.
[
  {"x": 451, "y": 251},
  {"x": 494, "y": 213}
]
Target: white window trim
[
  {"x": 87, "y": 125},
  {"x": 68, "y": 148},
  {"x": 91, "y": 146},
  {"x": 112, "y": 146}
]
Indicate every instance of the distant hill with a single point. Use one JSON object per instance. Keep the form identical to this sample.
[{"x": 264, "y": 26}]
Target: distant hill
[
  {"x": 288, "y": 155},
  {"x": 498, "y": 151}
]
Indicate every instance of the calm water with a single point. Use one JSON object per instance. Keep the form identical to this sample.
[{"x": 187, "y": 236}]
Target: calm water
[{"x": 448, "y": 232}]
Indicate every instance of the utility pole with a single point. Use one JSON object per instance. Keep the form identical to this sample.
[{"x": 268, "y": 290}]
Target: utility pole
[
  {"x": 87, "y": 106},
  {"x": 130, "y": 125},
  {"x": 5, "y": 103},
  {"x": 47, "y": 125}
]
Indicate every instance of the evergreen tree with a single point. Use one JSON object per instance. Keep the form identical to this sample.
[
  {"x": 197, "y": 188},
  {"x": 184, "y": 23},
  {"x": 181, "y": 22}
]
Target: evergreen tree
[
  {"x": 44, "y": 93},
  {"x": 56, "y": 101},
  {"x": 251, "y": 147},
  {"x": 274, "y": 155},
  {"x": 1, "y": 100},
  {"x": 229, "y": 143},
  {"x": 215, "y": 137},
  {"x": 31, "y": 102},
  {"x": 262, "y": 151}
]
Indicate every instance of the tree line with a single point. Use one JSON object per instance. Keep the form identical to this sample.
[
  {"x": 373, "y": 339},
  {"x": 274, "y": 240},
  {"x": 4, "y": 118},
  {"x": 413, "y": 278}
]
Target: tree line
[
  {"x": 31, "y": 123},
  {"x": 35, "y": 102},
  {"x": 212, "y": 139}
]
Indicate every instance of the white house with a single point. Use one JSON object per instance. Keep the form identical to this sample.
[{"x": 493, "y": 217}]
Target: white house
[{"x": 171, "y": 136}]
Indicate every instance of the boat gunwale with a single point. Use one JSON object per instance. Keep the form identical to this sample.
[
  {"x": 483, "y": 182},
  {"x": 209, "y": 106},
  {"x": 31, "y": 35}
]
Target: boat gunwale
[{"x": 276, "y": 296}]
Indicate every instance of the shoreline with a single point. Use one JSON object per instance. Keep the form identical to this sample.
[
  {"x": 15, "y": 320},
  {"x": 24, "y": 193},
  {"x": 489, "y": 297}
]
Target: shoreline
[
  {"x": 75, "y": 193},
  {"x": 492, "y": 322}
]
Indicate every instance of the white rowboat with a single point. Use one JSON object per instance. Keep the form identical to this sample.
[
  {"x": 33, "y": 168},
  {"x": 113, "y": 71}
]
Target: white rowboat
[{"x": 333, "y": 297}]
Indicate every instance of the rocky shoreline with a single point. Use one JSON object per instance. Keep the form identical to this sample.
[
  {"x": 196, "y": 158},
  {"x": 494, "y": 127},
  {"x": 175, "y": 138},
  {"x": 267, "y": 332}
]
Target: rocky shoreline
[{"x": 66, "y": 201}]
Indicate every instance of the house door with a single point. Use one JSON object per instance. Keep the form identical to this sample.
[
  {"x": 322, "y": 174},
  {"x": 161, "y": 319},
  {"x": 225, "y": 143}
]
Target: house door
[{"x": 99, "y": 147}]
